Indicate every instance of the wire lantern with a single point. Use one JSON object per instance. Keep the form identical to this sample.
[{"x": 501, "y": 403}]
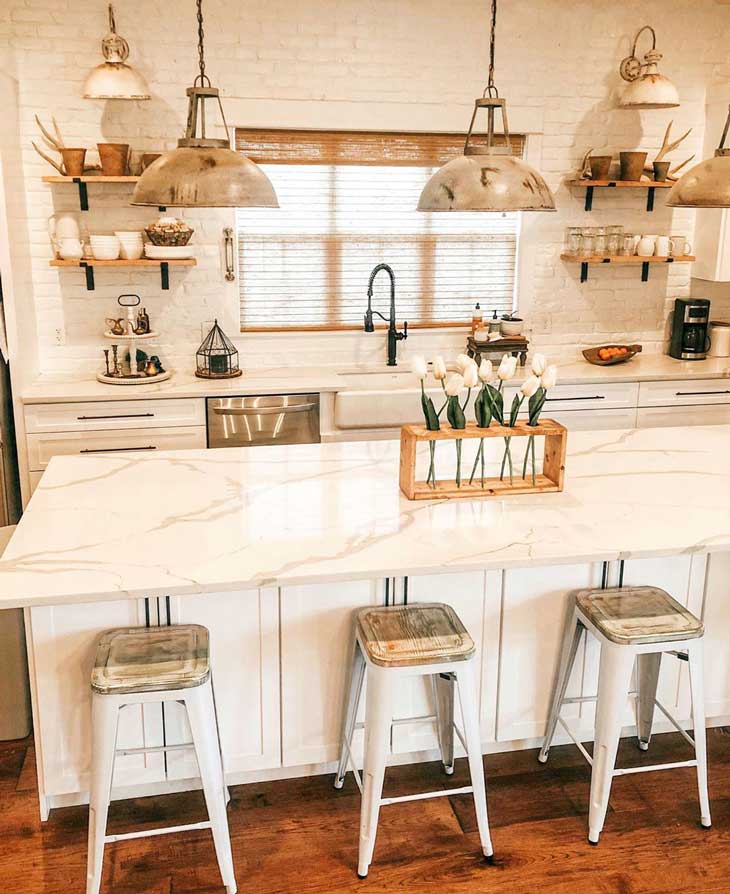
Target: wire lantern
[{"x": 217, "y": 357}]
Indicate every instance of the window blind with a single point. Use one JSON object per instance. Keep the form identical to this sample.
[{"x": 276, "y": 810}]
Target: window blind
[{"x": 347, "y": 202}]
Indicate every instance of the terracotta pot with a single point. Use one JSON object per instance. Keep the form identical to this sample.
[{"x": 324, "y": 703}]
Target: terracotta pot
[
  {"x": 632, "y": 165},
  {"x": 113, "y": 157},
  {"x": 600, "y": 166},
  {"x": 661, "y": 170},
  {"x": 73, "y": 161},
  {"x": 148, "y": 158}
]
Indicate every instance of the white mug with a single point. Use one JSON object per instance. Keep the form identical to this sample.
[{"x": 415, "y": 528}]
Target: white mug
[
  {"x": 645, "y": 248},
  {"x": 70, "y": 248},
  {"x": 661, "y": 249},
  {"x": 678, "y": 246}
]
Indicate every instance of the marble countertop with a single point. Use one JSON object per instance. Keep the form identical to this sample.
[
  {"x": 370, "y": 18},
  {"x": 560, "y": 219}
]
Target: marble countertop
[
  {"x": 107, "y": 527},
  {"x": 300, "y": 380}
]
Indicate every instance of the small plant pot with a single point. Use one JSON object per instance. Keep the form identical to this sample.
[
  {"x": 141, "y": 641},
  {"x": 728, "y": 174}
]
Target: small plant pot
[
  {"x": 600, "y": 166},
  {"x": 632, "y": 165},
  {"x": 73, "y": 161},
  {"x": 661, "y": 170},
  {"x": 113, "y": 158}
]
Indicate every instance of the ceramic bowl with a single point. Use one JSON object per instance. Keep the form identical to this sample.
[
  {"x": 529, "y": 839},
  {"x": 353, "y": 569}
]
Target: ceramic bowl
[
  {"x": 511, "y": 327},
  {"x": 168, "y": 252},
  {"x": 105, "y": 248}
]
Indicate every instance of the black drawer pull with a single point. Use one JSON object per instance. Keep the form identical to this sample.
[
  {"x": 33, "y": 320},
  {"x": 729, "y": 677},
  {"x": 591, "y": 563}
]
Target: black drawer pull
[
  {"x": 118, "y": 416},
  {"x": 589, "y": 397},
  {"x": 698, "y": 393},
  {"x": 114, "y": 449}
]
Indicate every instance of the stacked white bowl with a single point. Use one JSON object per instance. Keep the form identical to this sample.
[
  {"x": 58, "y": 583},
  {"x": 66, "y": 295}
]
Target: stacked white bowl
[
  {"x": 105, "y": 248},
  {"x": 131, "y": 243}
]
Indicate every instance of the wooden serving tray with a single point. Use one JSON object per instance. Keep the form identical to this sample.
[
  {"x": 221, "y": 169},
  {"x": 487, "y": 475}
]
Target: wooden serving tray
[
  {"x": 550, "y": 480},
  {"x": 591, "y": 354}
]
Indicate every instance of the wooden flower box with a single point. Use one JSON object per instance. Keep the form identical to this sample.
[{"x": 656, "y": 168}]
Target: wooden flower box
[{"x": 550, "y": 480}]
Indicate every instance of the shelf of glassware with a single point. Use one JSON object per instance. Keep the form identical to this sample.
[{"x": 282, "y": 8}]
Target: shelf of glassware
[
  {"x": 584, "y": 262},
  {"x": 649, "y": 185},
  {"x": 88, "y": 265}
]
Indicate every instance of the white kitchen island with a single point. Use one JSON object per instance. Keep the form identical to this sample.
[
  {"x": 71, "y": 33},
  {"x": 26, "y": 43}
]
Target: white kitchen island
[{"x": 272, "y": 549}]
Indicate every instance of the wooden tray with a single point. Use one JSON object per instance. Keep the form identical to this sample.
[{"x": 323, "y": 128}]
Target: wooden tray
[
  {"x": 550, "y": 480},
  {"x": 591, "y": 354}
]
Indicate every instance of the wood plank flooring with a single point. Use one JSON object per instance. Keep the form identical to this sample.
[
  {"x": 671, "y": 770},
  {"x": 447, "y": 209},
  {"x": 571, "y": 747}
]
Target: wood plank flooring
[{"x": 301, "y": 835}]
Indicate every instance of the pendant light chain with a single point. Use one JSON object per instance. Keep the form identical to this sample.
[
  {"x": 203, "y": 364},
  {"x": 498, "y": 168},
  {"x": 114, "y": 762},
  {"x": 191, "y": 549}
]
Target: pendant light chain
[
  {"x": 202, "y": 77},
  {"x": 490, "y": 89}
]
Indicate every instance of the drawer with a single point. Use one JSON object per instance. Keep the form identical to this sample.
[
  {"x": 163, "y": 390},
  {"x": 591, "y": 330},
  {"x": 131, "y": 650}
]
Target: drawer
[
  {"x": 595, "y": 420},
  {"x": 673, "y": 393},
  {"x": 599, "y": 396},
  {"x": 114, "y": 414},
  {"x": 41, "y": 447},
  {"x": 656, "y": 417}
]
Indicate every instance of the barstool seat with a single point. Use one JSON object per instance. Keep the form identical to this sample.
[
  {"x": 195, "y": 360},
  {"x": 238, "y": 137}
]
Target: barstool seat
[
  {"x": 398, "y": 636},
  {"x": 149, "y": 659},
  {"x": 638, "y": 615}
]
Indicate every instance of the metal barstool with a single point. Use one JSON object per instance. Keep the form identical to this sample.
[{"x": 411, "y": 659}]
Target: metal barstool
[
  {"x": 632, "y": 624},
  {"x": 422, "y": 639},
  {"x": 138, "y": 665}
]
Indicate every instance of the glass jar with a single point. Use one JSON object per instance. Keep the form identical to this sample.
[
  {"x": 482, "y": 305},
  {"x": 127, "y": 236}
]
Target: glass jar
[
  {"x": 573, "y": 240},
  {"x": 588, "y": 245},
  {"x": 628, "y": 244}
]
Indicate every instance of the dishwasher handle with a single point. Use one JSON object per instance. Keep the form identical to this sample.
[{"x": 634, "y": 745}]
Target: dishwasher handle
[{"x": 263, "y": 411}]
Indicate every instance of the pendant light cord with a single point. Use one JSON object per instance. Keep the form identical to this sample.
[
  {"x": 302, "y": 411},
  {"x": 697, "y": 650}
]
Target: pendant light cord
[
  {"x": 490, "y": 89},
  {"x": 202, "y": 78}
]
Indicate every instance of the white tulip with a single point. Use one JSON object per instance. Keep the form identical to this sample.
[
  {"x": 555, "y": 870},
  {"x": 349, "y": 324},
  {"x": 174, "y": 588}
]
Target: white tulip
[
  {"x": 471, "y": 376},
  {"x": 539, "y": 364},
  {"x": 462, "y": 361},
  {"x": 549, "y": 377},
  {"x": 439, "y": 369},
  {"x": 507, "y": 368},
  {"x": 530, "y": 386},
  {"x": 418, "y": 365},
  {"x": 454, "y": 384},
  {"x": 486, "y": 371}
]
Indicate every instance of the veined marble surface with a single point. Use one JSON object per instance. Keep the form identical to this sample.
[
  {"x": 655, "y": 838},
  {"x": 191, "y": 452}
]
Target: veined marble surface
[
  {"x": 114, "y": 526},
  {"x": 301, "y": 380}
]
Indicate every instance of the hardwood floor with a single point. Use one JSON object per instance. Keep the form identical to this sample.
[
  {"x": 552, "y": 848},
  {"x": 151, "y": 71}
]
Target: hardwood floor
[{"x": 301, "y": 835}]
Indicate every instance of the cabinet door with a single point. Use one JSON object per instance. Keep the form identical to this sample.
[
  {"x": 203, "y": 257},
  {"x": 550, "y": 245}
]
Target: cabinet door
[
  {"x": 595, "y": 420},
  {"x": 316, "y": 652},
  {"x": 244, "y": 646},
  {"x": 716, "y": 615},
  {"x": 61, "y": 647},
  {"x": 535, "y": 603},
  {"x": 656, "y": 417}
]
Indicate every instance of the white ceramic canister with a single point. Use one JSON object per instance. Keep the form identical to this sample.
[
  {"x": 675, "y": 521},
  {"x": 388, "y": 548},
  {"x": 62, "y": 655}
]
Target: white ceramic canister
[
  {"x": 719, "y": 339},
  {"x": 645, "y": 248}
]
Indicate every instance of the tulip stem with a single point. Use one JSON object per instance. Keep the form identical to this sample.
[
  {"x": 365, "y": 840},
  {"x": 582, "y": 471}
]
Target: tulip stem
[
  {"x": 532, "y": 447},
  {"x": 480, "y": 453},
  {"x": 527, "y": 453},
  {"x": 507, "y": 457},
  {"x": 432, "y": 467},
  {"x": 458, "y": 463}
]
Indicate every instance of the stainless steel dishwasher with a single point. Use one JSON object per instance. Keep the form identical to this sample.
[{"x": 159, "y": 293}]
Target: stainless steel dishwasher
[{"x": 250, "y": 421}]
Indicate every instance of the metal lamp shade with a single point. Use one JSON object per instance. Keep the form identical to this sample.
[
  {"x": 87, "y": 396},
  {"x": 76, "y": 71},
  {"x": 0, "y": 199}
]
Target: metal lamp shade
[
  {"x": 707, "y": 185},
  {"x": 204, "y": 178},
  {"x": 115, "y": 80},
  {"x": 650, "y": 91}
]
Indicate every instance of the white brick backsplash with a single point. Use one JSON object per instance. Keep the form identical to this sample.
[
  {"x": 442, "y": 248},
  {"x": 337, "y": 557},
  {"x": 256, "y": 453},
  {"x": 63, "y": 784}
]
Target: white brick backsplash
[{"x": 359, "y": 63}]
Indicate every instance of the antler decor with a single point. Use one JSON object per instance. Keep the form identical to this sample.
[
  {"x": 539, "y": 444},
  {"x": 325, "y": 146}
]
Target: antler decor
[
  {"x": 668, "y": 147},
  {"x": 56, "y": 143}
]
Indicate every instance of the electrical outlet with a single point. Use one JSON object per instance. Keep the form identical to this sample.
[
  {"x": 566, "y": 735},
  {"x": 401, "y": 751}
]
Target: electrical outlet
[{"x": 60, "y": 334}]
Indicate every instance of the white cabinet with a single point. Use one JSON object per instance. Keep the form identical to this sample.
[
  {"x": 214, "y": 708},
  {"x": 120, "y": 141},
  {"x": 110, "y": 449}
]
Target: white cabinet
[
  {"x": 61, "y": 647},
  {"x": 244, "y": 650},
  {"x": 316, "y": 652},
  {"x": 594, "y": 420},
  {"x": 667, "y": 417},
  {"x": 676, "y": 393},
  {"x": 114, "y": 414},
  {"x": 716, "y": 617},
  {"x": 593, "y": 396},
  {"x": 712, "y": 225}
]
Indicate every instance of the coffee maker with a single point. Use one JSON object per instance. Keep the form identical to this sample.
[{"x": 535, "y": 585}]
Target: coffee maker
[{"x": 689, "y": 339}]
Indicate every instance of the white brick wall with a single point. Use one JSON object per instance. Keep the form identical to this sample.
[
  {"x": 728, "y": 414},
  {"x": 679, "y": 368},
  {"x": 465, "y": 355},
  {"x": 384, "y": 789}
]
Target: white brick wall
[{"x": 365, "y": 63}]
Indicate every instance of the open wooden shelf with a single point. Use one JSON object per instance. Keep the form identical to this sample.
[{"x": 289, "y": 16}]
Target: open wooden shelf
[
  {"x": 649, "y": 185},
  {"x": 82, "y": 181},
  {"x": 625, "y": 259},
  {"x": 88, "y": 265}
]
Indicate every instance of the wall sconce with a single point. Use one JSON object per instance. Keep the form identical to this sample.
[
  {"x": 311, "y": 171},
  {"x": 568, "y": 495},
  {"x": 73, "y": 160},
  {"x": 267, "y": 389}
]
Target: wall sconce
[
  {"x": 646, "y": 88},
  {"x": 114, "y": 79}
]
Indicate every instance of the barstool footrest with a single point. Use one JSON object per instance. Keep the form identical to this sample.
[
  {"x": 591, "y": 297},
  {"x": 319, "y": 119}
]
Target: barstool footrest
[
  {"x": 674, "y": 722},
  {"x": 568, "y": 729},
  {"x": 627, "y": 771},
  {"x": 422, "y": 796},
  {"x": 149, "y": 833},
  {"x": 154, "y": 749}
]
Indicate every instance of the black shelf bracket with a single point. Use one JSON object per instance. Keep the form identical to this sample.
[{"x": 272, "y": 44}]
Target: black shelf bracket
[
  {"x": 83, "y": 194},
  {"x": 165, "y": 276},
  {"x": 589, "y": 198},
  {"x": 584, "y": 272},
  {"x": 89, "y": 270},
  {"x": 650, "y": 198},
  {"x": 645, "y": 272}
]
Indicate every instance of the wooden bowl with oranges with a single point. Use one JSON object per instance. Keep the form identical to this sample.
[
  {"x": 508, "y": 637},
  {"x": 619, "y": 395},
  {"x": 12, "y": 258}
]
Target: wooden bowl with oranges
[{"x": 607, "y": 355}]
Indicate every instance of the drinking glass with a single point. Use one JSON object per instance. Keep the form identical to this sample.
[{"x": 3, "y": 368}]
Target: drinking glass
[
  {"x": 573, "y": 239},
  {"x": 613, "y": 243},
  {"x": 587, "y": 244},
  {"x": 628, "y": 245},
  {"x": 601, "y": 241}
]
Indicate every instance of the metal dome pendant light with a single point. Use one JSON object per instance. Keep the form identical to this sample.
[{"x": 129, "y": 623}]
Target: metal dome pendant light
[
  {"x": 486, "y": 177},
  {"x": 707, "y": 185},
  {"x": 114, "y": 79},
  {"x": 646, "y": 88},
  {"x": 204, "y": 172}
]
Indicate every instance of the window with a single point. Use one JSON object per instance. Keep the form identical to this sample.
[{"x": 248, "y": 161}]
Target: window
[{"x": 348, "y": 202}]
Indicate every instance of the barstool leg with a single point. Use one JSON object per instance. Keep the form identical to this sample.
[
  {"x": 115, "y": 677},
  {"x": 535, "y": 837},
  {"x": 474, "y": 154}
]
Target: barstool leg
[
  {"x": 614, "y": 679},
  {"x": 647, "y": 677},
  {"x": 104, "y": 719},
  {"x": 696, "y": 674},
  {"x": 443, "y": 694},
  {"x": 571, "y": 640},
  {"x": 201, "y": 716},
  {"x": 357, "y": 675},
  {"x": 378, "y": 720},
  {"x": 470, "y": 713}
]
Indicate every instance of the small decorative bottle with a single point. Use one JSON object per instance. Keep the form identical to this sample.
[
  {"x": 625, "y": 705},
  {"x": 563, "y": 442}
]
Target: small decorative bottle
[{"x": 476, "y": 318}]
